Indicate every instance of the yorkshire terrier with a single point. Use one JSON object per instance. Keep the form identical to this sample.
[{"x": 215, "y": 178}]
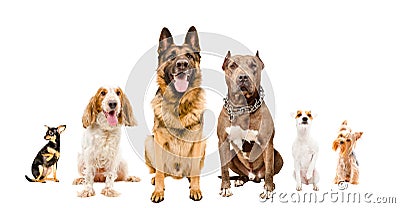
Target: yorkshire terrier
[{"x": 347, "y": 168}]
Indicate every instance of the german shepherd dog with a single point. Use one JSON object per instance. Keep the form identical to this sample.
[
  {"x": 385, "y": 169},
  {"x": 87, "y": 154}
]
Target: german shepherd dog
[
  {"x": 177, "y": 148},
  {"x": 46, "y": 159}
]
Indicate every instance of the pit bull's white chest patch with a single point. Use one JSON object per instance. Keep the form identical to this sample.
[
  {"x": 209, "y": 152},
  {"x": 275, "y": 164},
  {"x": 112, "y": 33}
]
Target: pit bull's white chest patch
[{"x": 237, "y": 135}]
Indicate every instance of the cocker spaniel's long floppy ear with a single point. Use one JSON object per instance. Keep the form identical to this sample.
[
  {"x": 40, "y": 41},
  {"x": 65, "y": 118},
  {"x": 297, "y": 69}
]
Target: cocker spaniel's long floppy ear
[
  {"x": 90, "y": 113},
  {"x": 127, "y": 113}
]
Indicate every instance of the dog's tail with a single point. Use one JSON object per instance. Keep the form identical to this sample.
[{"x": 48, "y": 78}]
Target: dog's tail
[
  {"x": 29, "y": 179},
  {"x": 231, "y": 177}
]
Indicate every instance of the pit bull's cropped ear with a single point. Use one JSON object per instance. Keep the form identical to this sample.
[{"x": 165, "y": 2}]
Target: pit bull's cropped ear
[
  {"x": 262, "y": 63},
  {"x": 166, "y": 40},
  {"x": 226, "y": 60},
  {"x": 192, "y": 39}
]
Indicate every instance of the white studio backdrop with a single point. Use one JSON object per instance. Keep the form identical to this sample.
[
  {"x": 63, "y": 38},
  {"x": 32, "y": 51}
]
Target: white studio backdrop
[{"x": 337, "y": 58}]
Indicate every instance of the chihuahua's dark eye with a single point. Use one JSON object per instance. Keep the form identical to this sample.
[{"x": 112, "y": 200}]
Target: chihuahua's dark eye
[
  {"x": 309, "y": 115},
  {"x": 51, "y": 133},
  {"x": 233, "y": 65},
  {"x": 298, "y": 115},
  {"x": 189, "y": 56},
  {"x": 103, "y": 93},
  {"x": 118, "y": 93}
]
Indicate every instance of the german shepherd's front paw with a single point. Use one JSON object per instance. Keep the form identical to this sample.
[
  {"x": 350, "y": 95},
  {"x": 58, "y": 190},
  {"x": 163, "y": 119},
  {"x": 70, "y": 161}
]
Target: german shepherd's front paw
[
  {"x": 157, "y": 196},
  {"x": 86, "y": 193},
  {"x": 195, "y": 194},
  {"x": 109, "y": 192}
]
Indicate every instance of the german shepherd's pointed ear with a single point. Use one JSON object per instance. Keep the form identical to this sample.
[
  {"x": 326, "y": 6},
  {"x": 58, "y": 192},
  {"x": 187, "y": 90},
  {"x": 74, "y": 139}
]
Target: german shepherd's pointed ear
[
  {"x": 192, "y": 39},
  {"x": 127, "y": 113},
  {"x": 90, "y": 113},
  {"x": 226, "y": 60},
  {"x": 166, "y": 40},
  {"x": 262, "y": 63}
]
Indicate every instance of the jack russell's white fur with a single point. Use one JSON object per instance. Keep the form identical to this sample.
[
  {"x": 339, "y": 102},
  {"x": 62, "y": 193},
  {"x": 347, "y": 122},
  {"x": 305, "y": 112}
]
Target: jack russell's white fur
[{"x": 305, "y": 151}]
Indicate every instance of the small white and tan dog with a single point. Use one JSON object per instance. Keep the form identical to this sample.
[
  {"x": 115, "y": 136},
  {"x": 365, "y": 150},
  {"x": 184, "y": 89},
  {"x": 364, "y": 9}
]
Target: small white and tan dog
[
  {"x": 100, "y": 160},
  {"x": 305, "y": 151}
]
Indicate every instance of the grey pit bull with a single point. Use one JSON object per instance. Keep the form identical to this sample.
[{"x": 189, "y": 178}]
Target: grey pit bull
[{"x": 245, "y": 122}]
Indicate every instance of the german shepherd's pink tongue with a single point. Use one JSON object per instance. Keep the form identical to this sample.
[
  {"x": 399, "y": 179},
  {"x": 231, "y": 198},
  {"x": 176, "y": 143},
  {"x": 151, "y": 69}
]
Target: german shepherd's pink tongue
[
  {"x": 111, "y": 118},
  {"x": 181, "y": 83}
]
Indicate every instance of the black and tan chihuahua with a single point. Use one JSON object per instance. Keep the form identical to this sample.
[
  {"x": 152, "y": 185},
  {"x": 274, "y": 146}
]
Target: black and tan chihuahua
[{"x": 46, "y": 160}]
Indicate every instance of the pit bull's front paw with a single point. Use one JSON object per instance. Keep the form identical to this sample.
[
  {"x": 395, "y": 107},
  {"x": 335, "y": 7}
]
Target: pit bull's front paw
[
  {"x": 265, "y": 195},
  {"x": 252, "y": 176},
  {"x": 195, "y": 194},
  {"x": 109, "y": 192},
  {"x": 225, "y": 192},
  {"x": 157, "y": 196},
  {"x": 86, "y": 193}
]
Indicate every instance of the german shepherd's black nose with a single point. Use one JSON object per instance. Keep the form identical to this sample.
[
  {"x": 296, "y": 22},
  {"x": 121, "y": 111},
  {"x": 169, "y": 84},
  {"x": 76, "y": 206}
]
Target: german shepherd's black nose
[
  {"x": 112, "y": 104},
  {"x": 182, "y": 64}
]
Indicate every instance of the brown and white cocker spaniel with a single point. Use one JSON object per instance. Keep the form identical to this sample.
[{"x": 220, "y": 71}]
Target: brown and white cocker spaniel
[{"x": 100, "y": 159}]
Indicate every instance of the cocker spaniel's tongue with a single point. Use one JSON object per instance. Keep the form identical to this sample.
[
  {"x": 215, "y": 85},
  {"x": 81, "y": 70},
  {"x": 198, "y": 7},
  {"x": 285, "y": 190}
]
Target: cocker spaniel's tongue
[
  {"x": 181, "y": 83},
  {"x": 111, "y": 118}
]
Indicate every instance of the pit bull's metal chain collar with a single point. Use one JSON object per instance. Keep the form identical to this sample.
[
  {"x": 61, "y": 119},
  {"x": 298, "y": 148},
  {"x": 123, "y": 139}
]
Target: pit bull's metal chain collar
[{"x": 237, "y": 111}]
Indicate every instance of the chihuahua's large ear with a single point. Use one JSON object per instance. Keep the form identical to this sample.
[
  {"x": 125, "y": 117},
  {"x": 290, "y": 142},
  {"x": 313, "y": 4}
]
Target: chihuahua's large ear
[
  {"x": 61, "y": 128},
  {"x": 262, "y": 63},
  {"x": 127, "y": 113},
  {"x": 226, "y": 60},
  {"x": 165, "y": 40},
  {"x": 192, "y": 39},
  {"x": 90, "y": 113}
]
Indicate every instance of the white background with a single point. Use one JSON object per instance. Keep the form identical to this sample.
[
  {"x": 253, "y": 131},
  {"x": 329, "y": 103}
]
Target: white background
[{"x": 337, "y": 58}]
